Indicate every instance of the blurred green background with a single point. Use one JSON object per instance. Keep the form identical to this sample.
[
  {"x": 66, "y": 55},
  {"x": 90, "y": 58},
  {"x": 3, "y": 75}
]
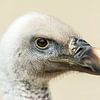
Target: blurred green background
[{"x": 84, "y": 17}]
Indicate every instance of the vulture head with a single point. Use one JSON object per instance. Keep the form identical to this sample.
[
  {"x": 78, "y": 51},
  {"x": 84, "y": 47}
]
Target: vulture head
[{"x": 38, "y": 47}]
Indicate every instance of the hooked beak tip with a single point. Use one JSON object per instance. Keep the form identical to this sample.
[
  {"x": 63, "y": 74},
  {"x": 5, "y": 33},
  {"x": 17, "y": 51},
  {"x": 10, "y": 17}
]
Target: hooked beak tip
[
  {"x": 95, "y": 52},
  {"x": 92, "y": 60},
  {"x": 95, "y": 58}
]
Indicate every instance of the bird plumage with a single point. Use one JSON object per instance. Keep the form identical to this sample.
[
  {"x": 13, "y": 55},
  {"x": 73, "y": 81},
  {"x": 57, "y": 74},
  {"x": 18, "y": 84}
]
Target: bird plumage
[{"x": 24, "y": 67}]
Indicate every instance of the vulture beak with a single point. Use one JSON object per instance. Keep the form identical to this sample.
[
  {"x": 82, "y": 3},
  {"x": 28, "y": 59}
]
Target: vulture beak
[
  {"x": 84, "y": 54},
  {"x": 81, "y": 57}
]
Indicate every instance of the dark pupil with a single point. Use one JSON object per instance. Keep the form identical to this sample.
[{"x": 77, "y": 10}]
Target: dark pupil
[{"x": 42, "y": 42}]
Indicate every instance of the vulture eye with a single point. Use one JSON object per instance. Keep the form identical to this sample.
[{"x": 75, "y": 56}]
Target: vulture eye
[{"x": 41, "y": 43}]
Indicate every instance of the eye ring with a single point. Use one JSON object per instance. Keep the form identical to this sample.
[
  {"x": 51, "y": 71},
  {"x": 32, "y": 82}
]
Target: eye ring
[{"x": 41, "y": 43}]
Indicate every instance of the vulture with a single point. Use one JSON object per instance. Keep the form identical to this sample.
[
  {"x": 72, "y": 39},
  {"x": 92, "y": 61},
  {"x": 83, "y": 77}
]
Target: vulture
[{"x": 36, "y": 48}]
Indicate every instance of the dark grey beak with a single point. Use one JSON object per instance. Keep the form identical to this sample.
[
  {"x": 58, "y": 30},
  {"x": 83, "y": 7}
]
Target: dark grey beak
[{"x": 84, "y": 54}]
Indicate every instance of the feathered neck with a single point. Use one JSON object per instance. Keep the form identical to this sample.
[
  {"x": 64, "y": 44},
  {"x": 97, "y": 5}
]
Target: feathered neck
[{"x": 24, "y": 91}]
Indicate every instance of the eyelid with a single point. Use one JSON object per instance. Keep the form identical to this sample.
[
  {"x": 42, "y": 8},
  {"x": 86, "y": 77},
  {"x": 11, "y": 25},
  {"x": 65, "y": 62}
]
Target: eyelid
[{"x": 48, "y": 38}]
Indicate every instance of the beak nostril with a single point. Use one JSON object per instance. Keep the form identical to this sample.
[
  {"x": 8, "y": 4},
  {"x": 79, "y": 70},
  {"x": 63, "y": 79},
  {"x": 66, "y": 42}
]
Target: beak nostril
[{"x": 78, "y": 50}]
